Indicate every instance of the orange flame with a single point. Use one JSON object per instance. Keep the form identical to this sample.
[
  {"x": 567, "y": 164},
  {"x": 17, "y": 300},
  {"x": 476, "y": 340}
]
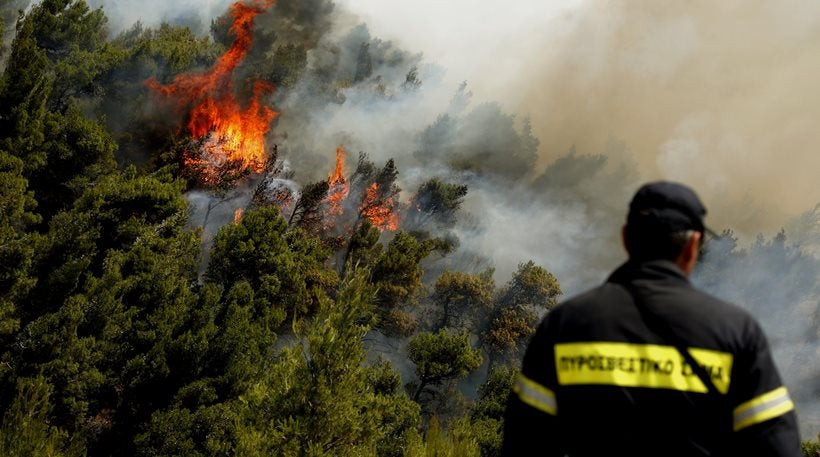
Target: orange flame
[
  {"x": 233, "y": 134},
  {"x": 379, "y": 213},
  {"x": 237, "y": 216},
  {"x": 339, "y": 187},
  {"x": 337, "y": 176}
]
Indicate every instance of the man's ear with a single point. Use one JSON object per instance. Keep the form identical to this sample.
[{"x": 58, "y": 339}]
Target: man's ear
[
  {"x": 623, "y": 239},
  {"x": 689, "y": 254}
]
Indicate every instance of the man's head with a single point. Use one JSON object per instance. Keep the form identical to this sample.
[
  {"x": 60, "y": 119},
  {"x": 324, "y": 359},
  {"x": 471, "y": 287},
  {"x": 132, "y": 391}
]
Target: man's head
[{"x": 665, "y": 221}]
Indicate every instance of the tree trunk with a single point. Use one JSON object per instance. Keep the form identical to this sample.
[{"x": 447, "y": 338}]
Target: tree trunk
[{"x": 422, "y": 385}]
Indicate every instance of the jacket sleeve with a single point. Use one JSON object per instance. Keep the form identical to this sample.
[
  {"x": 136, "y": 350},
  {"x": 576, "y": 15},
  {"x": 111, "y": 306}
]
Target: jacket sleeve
[
  {"x": 531, "y": 419},
  {"x": 763, "y": 414}
]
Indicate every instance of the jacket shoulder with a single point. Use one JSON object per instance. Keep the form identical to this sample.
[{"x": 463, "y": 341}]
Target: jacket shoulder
[{"x": 609, "y": 312}]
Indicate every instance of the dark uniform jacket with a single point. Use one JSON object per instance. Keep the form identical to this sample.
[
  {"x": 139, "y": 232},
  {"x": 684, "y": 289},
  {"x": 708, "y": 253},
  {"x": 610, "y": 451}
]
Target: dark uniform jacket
[{"x": 598, "y": 380}]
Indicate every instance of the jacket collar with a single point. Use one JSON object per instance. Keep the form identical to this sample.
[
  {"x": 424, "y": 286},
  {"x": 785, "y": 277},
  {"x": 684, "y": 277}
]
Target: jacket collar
[{"x": 653, "y": 270}]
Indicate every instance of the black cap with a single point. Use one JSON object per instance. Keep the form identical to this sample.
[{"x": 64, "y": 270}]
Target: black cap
[{"x": 665, "y": 207}]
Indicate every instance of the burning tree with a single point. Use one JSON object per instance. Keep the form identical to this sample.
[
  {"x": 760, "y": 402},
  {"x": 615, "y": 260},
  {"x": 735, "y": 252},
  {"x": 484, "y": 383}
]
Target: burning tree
[
  {"x": 338, "y": 187},
  {"x": 375, "y": 195},
  {"x": 227, "y": 138},
  {"x": 231, "y": 138},
  {"x": 381, "y": 199}
]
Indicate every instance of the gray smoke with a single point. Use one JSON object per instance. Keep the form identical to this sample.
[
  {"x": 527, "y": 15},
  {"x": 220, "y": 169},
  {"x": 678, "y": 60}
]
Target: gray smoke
[
  {"x": 196, "y": 14},
  {"x": 777, "y": 281},
  {"x": 716, "y": 94}
]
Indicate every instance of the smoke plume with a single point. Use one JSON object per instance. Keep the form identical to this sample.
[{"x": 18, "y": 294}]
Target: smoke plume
[{"x": 718, "y": 95}]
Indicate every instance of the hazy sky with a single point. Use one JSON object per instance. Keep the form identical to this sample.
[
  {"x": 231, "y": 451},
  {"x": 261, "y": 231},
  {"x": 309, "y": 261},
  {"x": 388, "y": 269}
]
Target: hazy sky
[
  {"x": 488, "y": 44},
  {"x": 723, "y": 95}
]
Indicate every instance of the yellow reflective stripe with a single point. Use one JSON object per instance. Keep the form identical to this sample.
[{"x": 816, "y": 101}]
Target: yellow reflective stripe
[
  {"x": 535, "y": 395},
  {"x": 639, "y": 365},
  {"x": 762, "y": 408}
]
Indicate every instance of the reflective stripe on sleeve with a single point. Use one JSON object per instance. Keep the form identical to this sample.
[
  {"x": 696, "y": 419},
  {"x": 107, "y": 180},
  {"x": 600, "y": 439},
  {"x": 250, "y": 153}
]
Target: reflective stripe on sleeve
[
  {"x": 535, "y": 395},
  {"x": 762, "y": 408}
]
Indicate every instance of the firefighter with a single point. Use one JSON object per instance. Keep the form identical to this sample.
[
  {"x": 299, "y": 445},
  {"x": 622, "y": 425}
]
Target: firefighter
[{"x": 645, "y": 364}]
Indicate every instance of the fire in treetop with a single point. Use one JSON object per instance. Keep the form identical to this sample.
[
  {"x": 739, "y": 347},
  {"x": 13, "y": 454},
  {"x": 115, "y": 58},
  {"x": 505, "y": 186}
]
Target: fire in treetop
[
  {"x": 232, "y": 133},
  {"x": 375, "y": 207},
  {"x": 379, "y": 211},
  {"x": 338, "y": 185}
]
